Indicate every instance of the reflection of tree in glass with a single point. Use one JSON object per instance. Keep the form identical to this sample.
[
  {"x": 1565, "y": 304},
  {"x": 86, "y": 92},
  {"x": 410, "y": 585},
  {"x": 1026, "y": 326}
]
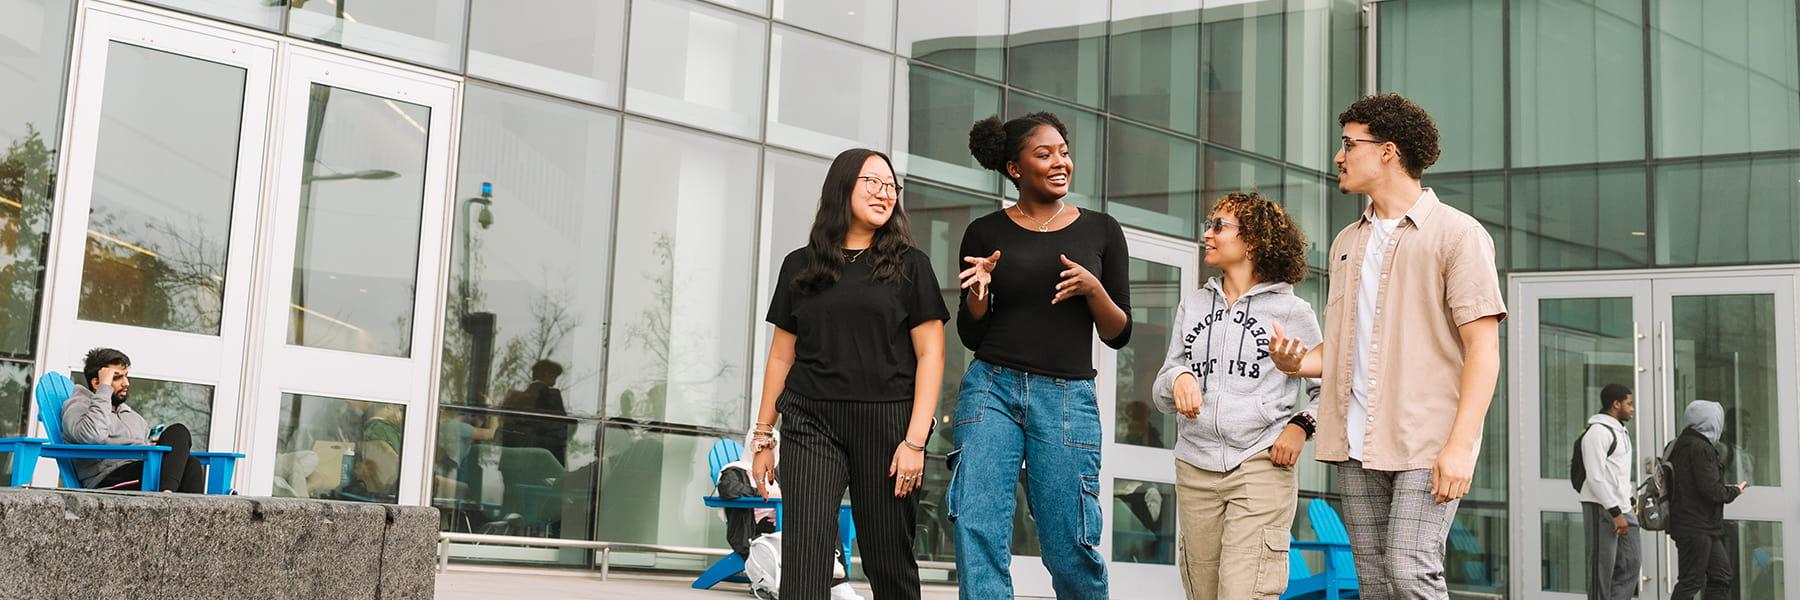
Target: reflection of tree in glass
[
  {"x": 158, "y": 274},
  {"x": 552, "y": 321},
  {"x": 27, "y": 180},
  {"x": 167, "y": 403},
  {"x": 647, "y": 399}
]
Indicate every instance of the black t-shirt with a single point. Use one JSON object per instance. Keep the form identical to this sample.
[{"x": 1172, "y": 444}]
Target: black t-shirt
[
  {"x": 1022, "y": 329},
  {"x": 853, "y": 340}
]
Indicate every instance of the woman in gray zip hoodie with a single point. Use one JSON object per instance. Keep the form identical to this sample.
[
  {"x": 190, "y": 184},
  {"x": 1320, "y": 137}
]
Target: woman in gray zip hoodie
[{"x": 1242, "y": 421}]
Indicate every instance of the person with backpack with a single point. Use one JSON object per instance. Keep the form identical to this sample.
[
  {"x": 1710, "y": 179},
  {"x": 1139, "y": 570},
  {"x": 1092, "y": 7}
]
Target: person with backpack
[
  {"x": 1697, "y": 498},
  {"x": 1601, "y": 473}
]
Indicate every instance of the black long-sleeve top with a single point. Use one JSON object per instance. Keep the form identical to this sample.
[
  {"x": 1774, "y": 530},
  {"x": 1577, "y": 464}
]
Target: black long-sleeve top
[
  {"x": 1698, "y": 493},
  {"x": 1022, "y": 329}
]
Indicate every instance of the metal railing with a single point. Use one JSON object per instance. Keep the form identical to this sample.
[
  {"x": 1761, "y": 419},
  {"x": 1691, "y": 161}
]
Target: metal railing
[{"x": 445, "y": 538}]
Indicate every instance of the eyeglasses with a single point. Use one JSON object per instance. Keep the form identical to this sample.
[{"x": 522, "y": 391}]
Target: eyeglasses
[
  {"x": 1216, "y": 225},
  {"x": 1350, "y": 142},
  {"x": 876, "y": 186}
]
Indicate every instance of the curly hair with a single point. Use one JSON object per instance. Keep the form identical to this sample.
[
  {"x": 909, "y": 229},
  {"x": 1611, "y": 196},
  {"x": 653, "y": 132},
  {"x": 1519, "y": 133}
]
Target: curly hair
[
  {"x": 994, "y": 143},
  {"x": 1393, "y": 118},
  {"x": 1277, "y": 247}
]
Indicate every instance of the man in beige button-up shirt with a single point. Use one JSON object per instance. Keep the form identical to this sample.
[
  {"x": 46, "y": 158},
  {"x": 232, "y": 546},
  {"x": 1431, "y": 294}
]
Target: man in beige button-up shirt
[{"x": 1410, "y": 354}]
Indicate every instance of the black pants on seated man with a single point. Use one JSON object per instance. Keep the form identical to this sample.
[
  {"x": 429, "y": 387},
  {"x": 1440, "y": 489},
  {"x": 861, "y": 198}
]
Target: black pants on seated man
[{"x": 181, "y": 472}]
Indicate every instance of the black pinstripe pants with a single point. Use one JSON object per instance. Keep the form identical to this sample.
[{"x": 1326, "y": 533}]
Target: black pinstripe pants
[{"x": 826, "y": 447}]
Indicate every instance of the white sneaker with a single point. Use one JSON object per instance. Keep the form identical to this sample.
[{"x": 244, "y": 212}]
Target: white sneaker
[{"x": 843, "y": 591}]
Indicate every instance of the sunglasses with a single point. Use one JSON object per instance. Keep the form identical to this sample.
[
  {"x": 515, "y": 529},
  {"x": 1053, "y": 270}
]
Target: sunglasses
[{"x": 1216, "y": 225}]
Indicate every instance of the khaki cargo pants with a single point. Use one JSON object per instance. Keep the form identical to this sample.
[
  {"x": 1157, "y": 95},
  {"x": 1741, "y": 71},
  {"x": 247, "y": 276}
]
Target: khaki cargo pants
[{"x": 1234, "y": 529}]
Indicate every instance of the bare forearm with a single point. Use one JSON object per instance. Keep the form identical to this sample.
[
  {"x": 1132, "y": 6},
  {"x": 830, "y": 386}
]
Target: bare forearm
[
  {"x": 928, "y": 379},
  {"x": 1480, "y": 373},
  {"x": 774, "y": 382},
  {"x": 978, "y": 307}
]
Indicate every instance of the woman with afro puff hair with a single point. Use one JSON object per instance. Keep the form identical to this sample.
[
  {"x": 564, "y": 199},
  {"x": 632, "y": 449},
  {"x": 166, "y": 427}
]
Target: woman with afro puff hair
[
  {"x": 1043, "y": 277},
  {"x": 1242, "y": 424}
]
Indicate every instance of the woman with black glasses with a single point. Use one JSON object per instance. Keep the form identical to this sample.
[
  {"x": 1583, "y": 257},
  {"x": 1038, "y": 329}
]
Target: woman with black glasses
[{"x": 853, "y": 372}]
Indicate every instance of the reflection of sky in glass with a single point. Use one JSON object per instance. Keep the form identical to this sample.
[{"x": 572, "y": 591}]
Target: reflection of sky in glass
[
  {"x": 679, "y": 344},
  {"x": 541, "y": 265},
  {"x": 357, "y": 254},
  {"x": 164, "y": 177}
]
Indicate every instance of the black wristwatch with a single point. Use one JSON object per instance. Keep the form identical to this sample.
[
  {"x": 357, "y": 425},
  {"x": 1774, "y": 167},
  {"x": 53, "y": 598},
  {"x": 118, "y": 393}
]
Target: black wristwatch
[{"x": 1305, "y": 421}]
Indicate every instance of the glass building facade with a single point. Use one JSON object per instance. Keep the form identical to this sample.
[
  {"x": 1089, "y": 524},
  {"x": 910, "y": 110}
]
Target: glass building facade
[{"x": 510, "y": 259}]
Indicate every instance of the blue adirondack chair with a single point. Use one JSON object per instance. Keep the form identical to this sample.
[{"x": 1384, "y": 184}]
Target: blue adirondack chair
[
  {"x": 25, "y": 456},
  {"x": 55, "y": 388},
  {"x": 731, "y": 567},
  {"x": 1338, "y": 580}
]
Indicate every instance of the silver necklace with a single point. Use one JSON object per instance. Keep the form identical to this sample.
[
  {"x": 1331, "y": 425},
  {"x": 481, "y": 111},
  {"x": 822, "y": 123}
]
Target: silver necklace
[{"x": 1044, "y": 226}]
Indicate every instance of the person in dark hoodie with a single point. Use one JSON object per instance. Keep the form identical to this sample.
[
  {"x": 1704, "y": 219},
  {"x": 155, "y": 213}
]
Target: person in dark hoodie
[
  {"x": 1697, "y": 498},
  {"x": 99, "y": 414},
  {"x": 1242, "y": 425}
]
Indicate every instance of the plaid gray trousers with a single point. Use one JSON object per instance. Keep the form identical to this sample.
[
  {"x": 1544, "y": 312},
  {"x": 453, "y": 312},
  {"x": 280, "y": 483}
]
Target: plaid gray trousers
[{"x": 1397, "y": 532}]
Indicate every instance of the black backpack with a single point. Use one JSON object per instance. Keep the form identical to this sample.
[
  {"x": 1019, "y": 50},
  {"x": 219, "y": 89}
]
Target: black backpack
[
  {"x": 1578, "y": 467},
  {"x": 1652, "y": 501}
]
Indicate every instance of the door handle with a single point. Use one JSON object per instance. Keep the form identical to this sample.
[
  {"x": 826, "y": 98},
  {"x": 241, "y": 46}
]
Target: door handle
[{"x": 1665, "y": 400}]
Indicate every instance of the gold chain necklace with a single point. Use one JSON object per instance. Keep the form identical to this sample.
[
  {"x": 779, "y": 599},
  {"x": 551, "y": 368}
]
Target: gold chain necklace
[
  {"x": 1044, "y": 226},
  {"x": 858, "y": 254}
]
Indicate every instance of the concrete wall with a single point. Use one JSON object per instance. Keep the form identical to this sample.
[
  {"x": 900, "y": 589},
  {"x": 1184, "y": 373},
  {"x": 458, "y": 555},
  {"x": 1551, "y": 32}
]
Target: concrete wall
[{"x": 83, "y": 544}]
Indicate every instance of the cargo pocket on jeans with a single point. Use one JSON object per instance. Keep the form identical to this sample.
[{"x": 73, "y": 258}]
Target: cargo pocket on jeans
[
  {"x": 1272, "y": 569},
  {"x": 1090, "y": 511},
  {"x": 952, "y": 461}
]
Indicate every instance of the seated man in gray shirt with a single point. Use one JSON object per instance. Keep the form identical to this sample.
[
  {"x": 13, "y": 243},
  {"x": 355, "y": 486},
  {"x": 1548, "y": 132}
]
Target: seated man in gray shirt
[{"x": 99, "y": 414}]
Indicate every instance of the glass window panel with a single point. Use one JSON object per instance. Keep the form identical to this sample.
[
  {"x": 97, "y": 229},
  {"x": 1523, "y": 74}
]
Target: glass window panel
[
  {"x": 936, "y": 534},
  {"x": 1155, "y": 293},
  {"x": 339, "y": 449},
  {"x": 939, "y": 217},
  {"x": 1446, "y": 56},
  {"x": 1583, "y": 219},
  {"x": 678, "y": 344},
  {"x": 1308, "y": 125},
  {"x": 1564, "y": 552},
  {"x": 790, "y": 199},
  {"x": 826, "y": 96},
  {"x": 931, "y": 133},
  {"x": 1479, "y": 196},
  {"x": 1723, "y": 352},
  {"x": 1728, "y": 212},
  {"x": 15, "y": 395},
  {"x": 260, "y": 14},
  {"x": 868, "y": 22},
  {"x": 1727, "y": 76},
  {"x": 31, "y": 68},
  {"x": 570, "y": 48},
  {"x": 1583, "y": 345},
  {"x": 965, "y": 35},
  {"x": 1577, "y": 81},
  {"x": 1305, "y": 197},
  {"x": 429, "y": 32},
  {"x": 165, "y": 173},
  {"x": 1228, "y": 171},
  {"x": 362, "y": 188},
  {"x": 509, "y": 474},
  {"x": 1151, "y": 179},
  {"x": 760, "y": 7},
  {"x": 650, "y": 494},
  {"x": 1153, "y": 70},
  {"x": 1475, "y": 560},
  {"x": 524, "y": 319},
  {"x": 1025, "y": 534},
  {"x": 1491, "y": 469},
  {"x": 1058, "y": 47},
  {"x": 697, "y": 65},
  {"x": 1758, "y": 562},
  {"x": 1345, "y": 73},
  {"x": 1086, "y": 147},
  {"x": 1241, "y": 74},
  {"x": 170, "y": 402},
  {"x": 1143, "y": 528}
]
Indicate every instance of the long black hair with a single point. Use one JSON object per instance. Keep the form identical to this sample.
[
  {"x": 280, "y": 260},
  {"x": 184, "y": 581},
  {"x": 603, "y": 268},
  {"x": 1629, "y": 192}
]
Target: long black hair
[{"x": 824, "y": 254}]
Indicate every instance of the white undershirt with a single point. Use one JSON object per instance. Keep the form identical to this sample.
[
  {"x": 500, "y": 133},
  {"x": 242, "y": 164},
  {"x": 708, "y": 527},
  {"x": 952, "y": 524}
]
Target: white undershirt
[{"x": 1367, "y": 294}]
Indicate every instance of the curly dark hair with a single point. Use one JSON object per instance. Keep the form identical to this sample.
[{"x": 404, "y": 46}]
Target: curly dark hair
[
  {"x": 1277, "y": 247},
  {"x": 994, "y": 143},
  {"x": 1393, "y": 118}
]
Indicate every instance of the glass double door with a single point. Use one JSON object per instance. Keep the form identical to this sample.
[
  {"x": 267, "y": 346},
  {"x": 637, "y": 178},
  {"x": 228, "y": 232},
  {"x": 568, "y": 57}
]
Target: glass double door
[
  {"x": 258, "y": 224},
  {"x": 1673, "y": 337}
]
